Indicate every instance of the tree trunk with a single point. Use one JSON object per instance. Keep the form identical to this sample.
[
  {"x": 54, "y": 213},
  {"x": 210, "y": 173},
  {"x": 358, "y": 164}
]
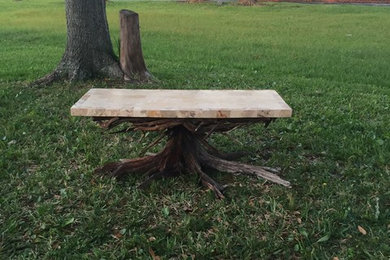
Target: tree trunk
[
  {"x": 88, "y": 52},
  {"x": 131, "y": 58}
]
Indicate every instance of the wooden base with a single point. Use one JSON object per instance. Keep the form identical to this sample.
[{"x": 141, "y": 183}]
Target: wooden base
[{"x": 187, "y": 152}]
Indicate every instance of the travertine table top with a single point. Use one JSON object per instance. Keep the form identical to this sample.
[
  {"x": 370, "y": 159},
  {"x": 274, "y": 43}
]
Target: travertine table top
[{"x": 161, "y": 103}]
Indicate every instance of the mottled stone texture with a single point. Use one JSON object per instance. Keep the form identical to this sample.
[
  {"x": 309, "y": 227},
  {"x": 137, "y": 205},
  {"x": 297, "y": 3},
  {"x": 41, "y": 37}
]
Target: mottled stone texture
[{"x": 181, "y": 104}]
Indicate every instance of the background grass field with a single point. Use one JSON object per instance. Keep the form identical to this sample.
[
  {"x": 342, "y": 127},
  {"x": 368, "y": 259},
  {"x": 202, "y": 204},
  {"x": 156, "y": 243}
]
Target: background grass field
[{"x": 331, "y": 63}]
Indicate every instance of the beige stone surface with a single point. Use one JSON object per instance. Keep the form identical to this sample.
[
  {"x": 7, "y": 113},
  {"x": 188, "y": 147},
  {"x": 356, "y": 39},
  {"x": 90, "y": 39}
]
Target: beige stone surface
[{"x": 181, "y": 103}]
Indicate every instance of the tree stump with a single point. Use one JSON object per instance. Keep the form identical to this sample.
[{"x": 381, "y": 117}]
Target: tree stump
[
  {"x": 186, "y": 151},
  {"x": 131, "y": 58}
]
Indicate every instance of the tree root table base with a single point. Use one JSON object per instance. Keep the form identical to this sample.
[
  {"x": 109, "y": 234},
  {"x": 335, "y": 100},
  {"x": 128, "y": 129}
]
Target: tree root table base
[{"x": 186, "y": 151}]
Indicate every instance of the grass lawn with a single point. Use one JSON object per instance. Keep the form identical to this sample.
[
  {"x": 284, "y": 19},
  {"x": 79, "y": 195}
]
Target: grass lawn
[{"x": 331, "y": 63}]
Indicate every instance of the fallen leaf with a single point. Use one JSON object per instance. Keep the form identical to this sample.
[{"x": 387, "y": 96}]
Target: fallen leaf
[
  {"x": 335, "y": 258},
  {"x": 153, "y": 255},
  {"x": 323, "y": 239},
  {"x": 68, "y": 222},
  {"x": 165, "y": 211},
  {"x": 187, "y": 209},
  {"x": 12, "y": 142},
  {"x": 362, "y": 230},
  {"x": 116, "y": 235},
  {"x": 299, "y": 220},
  {"x": 151, "y": 239}
]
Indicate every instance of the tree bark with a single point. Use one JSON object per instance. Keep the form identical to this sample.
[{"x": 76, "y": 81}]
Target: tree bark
[
  {"x": 89, "y": 52},
  {"x": 131, "y": 58}
]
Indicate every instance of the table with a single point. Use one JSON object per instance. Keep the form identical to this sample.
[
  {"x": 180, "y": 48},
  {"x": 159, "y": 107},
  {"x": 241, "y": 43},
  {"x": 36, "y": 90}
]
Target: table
[{"x": 187, "y": 118}]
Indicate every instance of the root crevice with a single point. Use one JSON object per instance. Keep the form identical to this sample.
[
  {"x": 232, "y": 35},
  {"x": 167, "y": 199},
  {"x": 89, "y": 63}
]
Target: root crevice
[{"x": 185, "y": 152}]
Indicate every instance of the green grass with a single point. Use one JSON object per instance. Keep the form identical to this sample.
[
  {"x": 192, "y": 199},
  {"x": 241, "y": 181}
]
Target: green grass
[{"x": 329, "y": 62}]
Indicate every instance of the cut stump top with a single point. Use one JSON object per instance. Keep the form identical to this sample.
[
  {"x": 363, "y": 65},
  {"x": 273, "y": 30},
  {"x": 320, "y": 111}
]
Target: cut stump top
[{"x": 159, "y": 103}]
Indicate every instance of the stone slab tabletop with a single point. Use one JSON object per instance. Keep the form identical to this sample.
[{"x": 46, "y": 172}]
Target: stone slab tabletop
[{"x": 159, "y": 103}]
